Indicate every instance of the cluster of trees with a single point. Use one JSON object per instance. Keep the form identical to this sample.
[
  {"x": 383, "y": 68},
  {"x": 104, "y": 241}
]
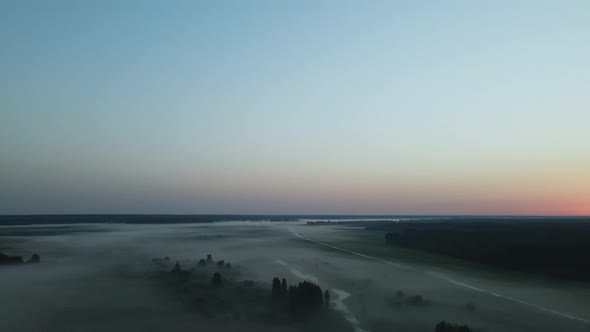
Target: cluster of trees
[
  {"x": 6, "y": 259},
  {"x": 401, "y": 300},
  {"x": 448, "y": 327},
  {"x": 216, "y": 279},
  {"x": 279, "y": 289},
  {"x": 550, "y": 248},
  {"x": 209, "y": 261},
  {"x": 305, "y": 297}
]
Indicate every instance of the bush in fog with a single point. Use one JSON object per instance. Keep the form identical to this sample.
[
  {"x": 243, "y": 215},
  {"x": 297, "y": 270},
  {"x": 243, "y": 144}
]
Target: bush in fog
[
  {"x": 176, "y": 267},
  {"x": 216, "y": 280},
  {"x": 34, "y": 259},
  {"x": 448, "y": 327},
  {"x": 416, "y": 300},
  {"x": 400, "y": 299},
  {"x": 5, "y": 259}
]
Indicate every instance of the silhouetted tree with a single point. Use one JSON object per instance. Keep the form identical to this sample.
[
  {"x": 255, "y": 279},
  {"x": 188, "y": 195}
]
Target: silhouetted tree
[
  {"x": 202, "y": 262},
  {"x": 209, "y": 259},
  {"x": 216, "y": 280},
  {"x": 220, "y": 263},
  {"x": 284, "y": 288},
  {"x": 327, "y": 297},
  {"x": 276, "y": 289},
  {"x": 227, "y": 265}
]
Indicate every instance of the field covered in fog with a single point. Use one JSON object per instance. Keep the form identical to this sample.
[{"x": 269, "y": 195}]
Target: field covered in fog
[{"x": 102, "y": 277}]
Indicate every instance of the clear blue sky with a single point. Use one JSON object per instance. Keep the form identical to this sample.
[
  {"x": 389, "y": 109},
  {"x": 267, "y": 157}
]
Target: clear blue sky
[{"x": 295, "y": 107}]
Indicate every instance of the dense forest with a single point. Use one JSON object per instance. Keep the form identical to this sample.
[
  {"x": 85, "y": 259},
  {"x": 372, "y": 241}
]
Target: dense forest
[{"x": 560, "y": 249}]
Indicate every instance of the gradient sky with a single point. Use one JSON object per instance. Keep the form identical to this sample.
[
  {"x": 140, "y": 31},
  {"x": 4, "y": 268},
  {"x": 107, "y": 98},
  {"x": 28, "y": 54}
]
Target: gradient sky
[{"x": 349, "y": 107}]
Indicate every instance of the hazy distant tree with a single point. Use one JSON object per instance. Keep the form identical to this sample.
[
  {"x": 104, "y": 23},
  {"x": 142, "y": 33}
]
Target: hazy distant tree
[
  {"x": 284, "y": 288},
  {"x": 276, "y": 289},
  {"x": 327, "y": 297},
  {"x": 220, "y": 263},
  {"x": 227, "y": 265},
  {"x": 202, "y": 262},
  {"x": 209, "y": 259},
  {"x": 176, "y": 267},
  {"x": 216, "y": 280}
]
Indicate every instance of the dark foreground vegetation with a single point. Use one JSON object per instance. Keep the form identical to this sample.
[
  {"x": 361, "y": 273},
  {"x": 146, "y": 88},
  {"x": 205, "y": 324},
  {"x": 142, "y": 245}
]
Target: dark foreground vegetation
[
  {"x": 559, "y": 249},
  {"x": 216, "y": 291}
]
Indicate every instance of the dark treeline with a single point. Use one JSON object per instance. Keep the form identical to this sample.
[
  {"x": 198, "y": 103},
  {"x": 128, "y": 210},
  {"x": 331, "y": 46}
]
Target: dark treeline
[
  {"x": 557, "y": 249},
  {"x": 140, "y": 218},
  {"x": 204, "y": 218}
]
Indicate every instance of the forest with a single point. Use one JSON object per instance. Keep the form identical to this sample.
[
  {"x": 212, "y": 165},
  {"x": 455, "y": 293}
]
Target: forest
[{"x": 557, "y": 249}]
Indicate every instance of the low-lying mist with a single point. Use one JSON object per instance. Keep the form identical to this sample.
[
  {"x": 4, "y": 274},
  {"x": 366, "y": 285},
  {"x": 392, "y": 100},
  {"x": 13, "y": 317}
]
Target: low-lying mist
[{"x": 103, "y": 278}]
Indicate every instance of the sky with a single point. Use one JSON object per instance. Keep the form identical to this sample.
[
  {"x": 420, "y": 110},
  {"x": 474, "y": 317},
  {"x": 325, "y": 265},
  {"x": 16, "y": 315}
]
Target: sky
[{"x": 295, "y": 107}]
